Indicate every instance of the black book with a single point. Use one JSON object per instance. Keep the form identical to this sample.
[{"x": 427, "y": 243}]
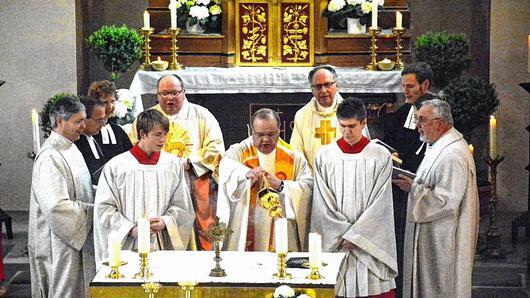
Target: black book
[{"x": 396, "y": 171}]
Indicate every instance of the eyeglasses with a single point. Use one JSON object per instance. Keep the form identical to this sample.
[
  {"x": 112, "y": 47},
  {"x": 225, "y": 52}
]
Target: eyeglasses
[
  {"x": 319, "y": 86},
  {"x": 422, "y": 121},
  {"x": 172, "y": 93},
  {"x": 99, "y": 121},
  {"x": 270, "y": 135}
]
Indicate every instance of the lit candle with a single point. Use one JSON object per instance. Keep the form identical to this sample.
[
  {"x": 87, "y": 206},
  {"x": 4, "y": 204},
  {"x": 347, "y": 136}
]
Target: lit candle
[
  {"x": 159, "y": 58},
  {"x": 35, "y": 128},
  {"x": 315, "y": 249},
  {"x": 173, "y": 13},
  {"x": 147, "y": 21},
  {"x": 493, "y": 137},
  {"x": 280, "y": 235},
  {"x": 399, "y": 20},
  {"x": 471, "y": 149},
  {"x": 144, "y": 238},
  {"x": 374, "y": 14},
  {"x": 114, "y": 249}
]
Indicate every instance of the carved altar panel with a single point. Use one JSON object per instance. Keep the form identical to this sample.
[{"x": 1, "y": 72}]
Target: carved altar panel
[{"x": 274, "y": 32}]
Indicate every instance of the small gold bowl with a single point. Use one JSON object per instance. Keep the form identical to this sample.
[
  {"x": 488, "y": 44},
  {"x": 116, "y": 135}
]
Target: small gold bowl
[
  {"x": 386, "y": 65},
  {"x": 159, "y": 65}
]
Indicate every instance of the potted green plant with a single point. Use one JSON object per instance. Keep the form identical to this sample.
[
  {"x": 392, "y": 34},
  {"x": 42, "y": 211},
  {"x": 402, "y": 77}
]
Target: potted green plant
[
  {"x": 117, "y": 47},
  {"x": 45, "y": 123},
  {"x": 447, "y": 54},
  {"x": 198, "y": 16}
]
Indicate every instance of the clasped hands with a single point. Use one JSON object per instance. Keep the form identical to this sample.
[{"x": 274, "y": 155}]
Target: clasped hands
[
  {"x": 256, "y": 176},
  {"x": 156, "y": 224}
]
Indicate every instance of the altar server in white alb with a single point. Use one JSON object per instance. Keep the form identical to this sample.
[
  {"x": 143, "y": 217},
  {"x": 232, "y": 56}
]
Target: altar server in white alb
[
  {"x": 60, "y": 239},
  {"x": 352, "y": 206},
  {"x": 241, "y": 174},
  {"x": 442, "y": 225},
  {"x": 144, "y": 183}
]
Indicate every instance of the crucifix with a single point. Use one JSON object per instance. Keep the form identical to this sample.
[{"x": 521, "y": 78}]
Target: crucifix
[{"x": 326, "y": 133}]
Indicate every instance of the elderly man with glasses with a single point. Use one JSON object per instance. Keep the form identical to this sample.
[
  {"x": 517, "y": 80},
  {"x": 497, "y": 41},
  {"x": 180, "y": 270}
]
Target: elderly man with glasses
[
  {"x": 196, "y": 138},
  {"x": 245, "y": 169},
  {"x": 315, "y": 123},
  {"x": 89, "y": 146}
]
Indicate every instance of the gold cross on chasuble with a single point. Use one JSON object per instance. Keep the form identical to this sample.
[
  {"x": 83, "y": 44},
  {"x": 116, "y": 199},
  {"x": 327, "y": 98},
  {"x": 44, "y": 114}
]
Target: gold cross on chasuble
[{"x": 326, "y": 133}]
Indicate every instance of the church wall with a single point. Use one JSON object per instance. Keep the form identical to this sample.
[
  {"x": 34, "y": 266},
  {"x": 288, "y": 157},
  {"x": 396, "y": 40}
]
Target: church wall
[
  {"x": 510, "y": 27},
  {"x": 38, "y": 59}
]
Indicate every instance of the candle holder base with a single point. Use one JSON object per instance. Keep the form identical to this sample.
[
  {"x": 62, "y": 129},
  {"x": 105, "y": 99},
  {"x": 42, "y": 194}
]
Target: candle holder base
[
  {"x": 144, "y": 272},
  {"x": 114, "y": 273},
  {"x": 282, "y": 268},
  {"x": 314, "y": 275},
  {"x": 398, "y": 32},
  {"x": 174, "y": 65}
]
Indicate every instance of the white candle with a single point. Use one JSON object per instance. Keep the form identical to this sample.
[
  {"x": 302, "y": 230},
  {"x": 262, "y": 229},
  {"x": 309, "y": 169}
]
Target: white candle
[
  {"x": 147, "y": 21},
  {"x": 280, "y": 235},
  {"x": 315, "y": 249},
  {"x": 173, "y": 13},
  {"x": 374, "y": 14},
  {"x": 144, "y": 238},
  {"x": 36, "y": 131},
  {"x": 399, "y": 20},
  {"x": 493, "y": 137},
  {"x": 471, "y": 149},
  {"x": 114, "y": 249}
]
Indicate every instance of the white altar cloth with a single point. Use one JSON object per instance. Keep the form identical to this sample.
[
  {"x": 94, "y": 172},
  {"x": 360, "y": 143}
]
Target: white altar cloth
[
  {"x": 241, "y": 268},
  {"x": 215, "y": 80}
]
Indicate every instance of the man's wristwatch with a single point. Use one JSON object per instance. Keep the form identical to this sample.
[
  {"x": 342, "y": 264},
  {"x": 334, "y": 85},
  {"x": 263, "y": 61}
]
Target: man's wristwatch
[{"x": 280, "y": 188}]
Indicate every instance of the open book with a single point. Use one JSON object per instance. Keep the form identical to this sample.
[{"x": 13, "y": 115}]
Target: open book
[
  {"x": 396, "y": 171},
  {"x": 396, "y": 159}
]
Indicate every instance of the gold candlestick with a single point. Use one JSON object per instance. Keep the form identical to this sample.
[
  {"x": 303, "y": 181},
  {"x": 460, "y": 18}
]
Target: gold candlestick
[
  {"x": 174, "y": 65},
  {"x": 493, "y": 242},
  {"x": 282, "y": 268},
  {"x": 146, "y": 48},
  {"x": 114, "y": 271},
  {"x": 187, "y": 287},
  {"x": 314, "y": 275},
  {"x": 398, "y": 32},
  {"x": 373, "y": 63},
  {"x": 151, "y": 288},
  {"x": 145, "y": 272}
]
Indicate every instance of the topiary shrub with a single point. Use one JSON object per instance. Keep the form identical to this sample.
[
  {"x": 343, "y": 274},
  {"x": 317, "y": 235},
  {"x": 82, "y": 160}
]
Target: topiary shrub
[
  {"x": 447, "y": 54},
  {"x": 117, "y": 47},
  {"x": 45, "y": 123}
]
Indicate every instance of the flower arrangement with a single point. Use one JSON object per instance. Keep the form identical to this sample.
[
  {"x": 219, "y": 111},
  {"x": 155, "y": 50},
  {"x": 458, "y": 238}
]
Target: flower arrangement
[
  {"x": 360, "y": 9},
  {"x": 206, "y": 13},
  {"x": 123, "y": 109},
  {"x": 285, "y": 291}
]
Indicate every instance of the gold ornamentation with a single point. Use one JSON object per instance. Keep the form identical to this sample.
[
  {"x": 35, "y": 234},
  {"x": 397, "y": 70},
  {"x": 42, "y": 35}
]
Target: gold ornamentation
[
  {"x": 326, "y": 133},
  {"x": 295, "y": 33},
  {"x": 177, "y": 141},
  {"x": 282, "y": 268},
  {"x": 254, "y": 33},
  {"x": 217, "y": 232},
  {"x": 269, "y": 199},
  {"x": 151, "y": 288}
]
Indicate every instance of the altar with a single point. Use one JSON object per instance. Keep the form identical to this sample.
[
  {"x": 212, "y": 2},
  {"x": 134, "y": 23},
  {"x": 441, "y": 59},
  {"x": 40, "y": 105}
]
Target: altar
[{"x": 249, "y": 274}]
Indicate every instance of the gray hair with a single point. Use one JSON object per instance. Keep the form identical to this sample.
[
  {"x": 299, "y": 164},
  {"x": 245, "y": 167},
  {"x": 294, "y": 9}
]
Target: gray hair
[
  {"x": 265, "y": 113},
  {"x": 441, "y": 109},
  {"x": 65, "y": 108},
  {"x": 317, "y": 68}
]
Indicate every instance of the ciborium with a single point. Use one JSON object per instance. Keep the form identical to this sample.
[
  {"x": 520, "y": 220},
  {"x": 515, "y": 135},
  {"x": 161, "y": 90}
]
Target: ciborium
[{"x": 269, "y": 198}]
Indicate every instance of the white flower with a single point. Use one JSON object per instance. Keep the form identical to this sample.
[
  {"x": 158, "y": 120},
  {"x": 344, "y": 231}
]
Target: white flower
[
  {"x": 284, "y": 291},
  {"x": 336, "y": 5},
  {"x": 380, "y": 2},
  {"x": 303, "y": 296},
  {"x": 215, "y": 10},
  {"x": 203, "y": 2},
  {"x": 355, "y": 2},
  {"x": 366, "y": 7},
  {"x": 199, "y": 12},
  {"x": 178, "y": 4},
  {"x": 120, "y": 110}
]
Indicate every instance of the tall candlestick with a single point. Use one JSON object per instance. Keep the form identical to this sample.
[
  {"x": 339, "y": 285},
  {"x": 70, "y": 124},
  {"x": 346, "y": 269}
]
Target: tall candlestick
[
  {"x": 173, "y": 13},
  {"x": 471, "y": 149},
  {"x": 493, "y": 137},
  {"x": 374, "y": 14},
  {"x": 144, "y": 238},
  {"x": 399, "y": 20},
  {"x": 147, "y": 21},
  {"x": 114, "y": 249},
  {"x": 315, "y": 249},
  {"x": 280, "y": 235},
  {"x": 35, "y": 128}
]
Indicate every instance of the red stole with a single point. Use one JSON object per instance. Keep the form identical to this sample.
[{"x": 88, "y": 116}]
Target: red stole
[
  {"x": 352, "y": 149},
  {"x": 284, "y": 170},
  {"x": 143, "y": 158}
]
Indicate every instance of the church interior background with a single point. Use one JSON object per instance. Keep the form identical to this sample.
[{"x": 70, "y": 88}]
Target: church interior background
[{"x": 43, "y": 52}]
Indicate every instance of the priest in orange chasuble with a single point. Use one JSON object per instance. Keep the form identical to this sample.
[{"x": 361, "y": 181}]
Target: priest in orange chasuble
[
  {"x": 247, "y": 166},
  {"x": 194, "y": 136}
]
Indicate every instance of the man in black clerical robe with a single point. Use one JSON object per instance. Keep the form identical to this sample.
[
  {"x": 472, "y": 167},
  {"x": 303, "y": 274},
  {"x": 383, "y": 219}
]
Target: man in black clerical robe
[
  {"x": 90, "y": 148},
  {"x": 400, "y": 133}
]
